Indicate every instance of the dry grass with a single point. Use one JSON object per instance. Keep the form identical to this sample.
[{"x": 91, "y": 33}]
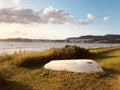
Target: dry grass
[
  {"x": 22, "y": 78},
  {"x": 37, "y": 59}
]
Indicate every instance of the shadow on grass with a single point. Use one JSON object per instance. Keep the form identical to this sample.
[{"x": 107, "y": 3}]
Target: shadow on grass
[
  {"x": 109, "y": 51},
  {"x": 108, "y": 73},
  {"x": 12, "y": 85},
  {"x": 38, "y": 60},
  {"x": 3, "y": 81},
  {"x": 103, "y": 54},
  {"x": 99, "y": 56},
  {"x": 34, "y": 63},
  {"x": 111, "y": 71},
  {"x": 67, "y": 52}
]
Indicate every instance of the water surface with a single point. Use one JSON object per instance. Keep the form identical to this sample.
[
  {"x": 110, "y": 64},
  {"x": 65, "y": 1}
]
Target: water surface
[{"x": 11, "y": 47}]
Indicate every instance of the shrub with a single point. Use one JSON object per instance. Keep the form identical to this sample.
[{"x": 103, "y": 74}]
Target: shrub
[{"x": 37, "y": 59}]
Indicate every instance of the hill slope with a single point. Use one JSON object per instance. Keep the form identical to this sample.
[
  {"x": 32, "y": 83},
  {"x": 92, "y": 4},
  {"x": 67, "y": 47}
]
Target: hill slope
[
  {"x": 83, "y": 39},
  {"x": 96, "y": 39}
]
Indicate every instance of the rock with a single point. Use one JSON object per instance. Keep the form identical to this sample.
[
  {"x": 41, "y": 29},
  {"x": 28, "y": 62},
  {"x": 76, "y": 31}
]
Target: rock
[{"x": 77, "y": 65}]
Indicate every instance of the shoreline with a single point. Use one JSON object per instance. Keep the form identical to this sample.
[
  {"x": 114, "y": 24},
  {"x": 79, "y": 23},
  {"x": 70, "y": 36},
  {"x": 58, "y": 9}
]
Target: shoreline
[{"x": 29, "y": 50}]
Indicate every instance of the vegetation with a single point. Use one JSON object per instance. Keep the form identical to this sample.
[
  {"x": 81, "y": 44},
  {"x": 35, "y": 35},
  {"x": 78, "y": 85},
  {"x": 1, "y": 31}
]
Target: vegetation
[
  {"x": 109, "y": 38},
  {"x": 3, "y": 81},
  {"x": 37, "y": 59},
  {"x": 24, "y": 71}
]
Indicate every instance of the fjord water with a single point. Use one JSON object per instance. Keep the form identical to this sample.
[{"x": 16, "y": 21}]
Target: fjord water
[{"x": 11, "y": 47}]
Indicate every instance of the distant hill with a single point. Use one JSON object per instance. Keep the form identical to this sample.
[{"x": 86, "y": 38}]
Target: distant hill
[
  {"x": 28, "y": 40},
  {"x": 16, "y": 40},
  {"x": 110, "y": 38}
]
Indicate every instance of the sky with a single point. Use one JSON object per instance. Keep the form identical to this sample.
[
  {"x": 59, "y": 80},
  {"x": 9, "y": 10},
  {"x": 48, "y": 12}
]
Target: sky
[{"x": 58, "y": 19}]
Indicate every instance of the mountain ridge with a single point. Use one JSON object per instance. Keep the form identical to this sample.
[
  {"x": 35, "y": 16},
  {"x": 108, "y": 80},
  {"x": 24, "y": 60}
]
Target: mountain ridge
[{"x": 109, "y": 38}]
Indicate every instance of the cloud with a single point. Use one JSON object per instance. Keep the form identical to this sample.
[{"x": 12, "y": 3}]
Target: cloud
[
  {"x": 14, "y": 33},
  {"x": 106, "y": 18},
  {"x": 7, "y": 3},
  {"x": 91, "y": 16},
  {"x": 57, "y": 16},
  {"x": 83, "y": 22},
  {"x": 16, "y": 1},
  {"x": 10, "y": 15},
  {"x": 47, "y": 15}
]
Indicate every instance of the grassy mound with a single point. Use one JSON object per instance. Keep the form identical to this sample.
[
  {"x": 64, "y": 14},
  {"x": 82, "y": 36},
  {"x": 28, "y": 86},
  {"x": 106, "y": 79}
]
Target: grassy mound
[{"x": 37, "y": 59}]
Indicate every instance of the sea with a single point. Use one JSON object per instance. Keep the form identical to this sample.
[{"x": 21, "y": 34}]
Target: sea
[{"x": 11, "y": 47}]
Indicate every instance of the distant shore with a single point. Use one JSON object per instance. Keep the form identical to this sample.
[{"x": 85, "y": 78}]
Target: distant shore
[{"x": 109, "y": 38}]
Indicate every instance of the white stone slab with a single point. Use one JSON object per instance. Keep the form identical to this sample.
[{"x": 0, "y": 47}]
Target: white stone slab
[{"x": 77, "y": 65}]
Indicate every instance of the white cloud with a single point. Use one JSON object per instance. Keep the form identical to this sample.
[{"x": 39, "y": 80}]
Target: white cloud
[
  {"x": 16, "y": 1},
  {"x": 48, "y": 15},
  {"x": 91, "y": 16},
  {"x": 106, "y": 18},
  {"x": 57, "y": 15},
  {"x": 9, "y": 3},
  {"x": 55, "y": 21},
  {"x": 83, "y": 22},
  {"x": 10, "y": 15}
]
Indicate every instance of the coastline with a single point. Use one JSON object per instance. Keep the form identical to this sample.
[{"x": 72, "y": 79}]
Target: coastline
[{"x": 12, "y": 47}]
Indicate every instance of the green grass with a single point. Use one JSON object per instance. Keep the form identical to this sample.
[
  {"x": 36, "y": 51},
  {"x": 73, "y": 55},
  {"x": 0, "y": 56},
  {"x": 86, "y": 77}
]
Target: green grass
[{"x": 16, "y": 72}]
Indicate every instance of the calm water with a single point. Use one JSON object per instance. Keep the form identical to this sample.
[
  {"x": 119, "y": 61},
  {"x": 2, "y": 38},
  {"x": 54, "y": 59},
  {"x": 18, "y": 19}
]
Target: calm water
[{"x": 11, "y": 47}]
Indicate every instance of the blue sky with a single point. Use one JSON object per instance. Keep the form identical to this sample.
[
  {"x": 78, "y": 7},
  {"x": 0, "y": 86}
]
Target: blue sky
[{"x": 58, "y": 19}]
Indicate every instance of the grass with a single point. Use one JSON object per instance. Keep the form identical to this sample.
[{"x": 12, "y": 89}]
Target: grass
[
  {"x": 37, "y": 59},
  {"x": 16, "y": 72}
]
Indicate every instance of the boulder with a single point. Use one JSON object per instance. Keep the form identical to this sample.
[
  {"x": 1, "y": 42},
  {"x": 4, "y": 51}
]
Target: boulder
[{"x": 77, "y": 65}]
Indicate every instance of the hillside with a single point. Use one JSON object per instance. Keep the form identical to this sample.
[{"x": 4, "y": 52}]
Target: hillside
[
  {"x": 96, "y": 39},
  {"x": 28, "y": 40},
  {"x": 82, "y": 39}
]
